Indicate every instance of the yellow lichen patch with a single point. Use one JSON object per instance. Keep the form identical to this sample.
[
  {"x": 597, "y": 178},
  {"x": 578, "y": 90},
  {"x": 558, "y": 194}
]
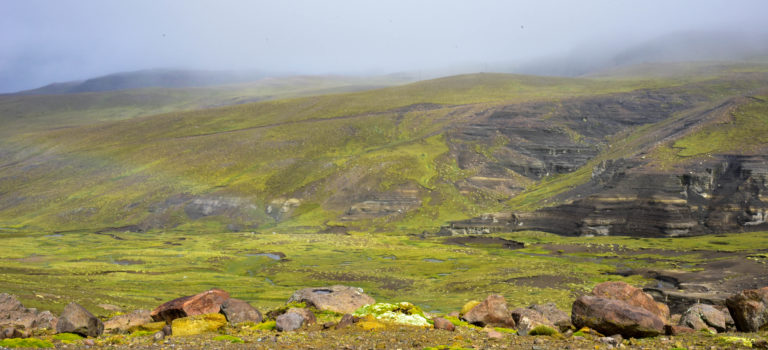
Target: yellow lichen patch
[
  {"x": 198, "y": 324},
  {"x": 468, "y": 306},
  {"x": 149, "y": 327}
]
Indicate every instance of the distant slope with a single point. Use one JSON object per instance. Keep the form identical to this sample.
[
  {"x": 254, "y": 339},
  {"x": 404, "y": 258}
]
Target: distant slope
[
  {"x": 157, "y": 78},
  {"x": 406, "y": 158},
  {"x": 26, "y": 113}
]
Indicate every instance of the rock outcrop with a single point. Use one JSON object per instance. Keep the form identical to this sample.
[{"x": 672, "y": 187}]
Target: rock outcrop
[
  {"x": 13, "y": 315},
  {"x": 289, "y": 321},
  {"x": 203, "y": 303},
  {"x": 558, "y": 317},
  {"x": 338, "y": 298},
  {"x": 632, "y": 296},
  {"x": 528, "y": 319},
  {"x": 76, "y": 319}
]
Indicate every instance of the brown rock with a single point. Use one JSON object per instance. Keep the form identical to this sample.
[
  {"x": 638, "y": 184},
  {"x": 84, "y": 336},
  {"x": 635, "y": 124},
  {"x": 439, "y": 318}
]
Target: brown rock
[
  {"x": 748, "y": 309},
  {"x": 346, "y": 321},
  {"x": 441, "y": 323},
  {"x": 10, "y": 332},
  {"x": 550, "y": 311},
  {"x": 677, "y": 330},
  {"x": 492, "y": 311},
  {"x": 76, "y": 319},
  {"x": 307, "y": 314},
  {"x": 341, "y": 299},
  {"x": 703, "y": 316},
  {"x": 122, "y": 323},
  {"x": 203, "y": 303},
  {"x": 238, "y": 311},
  {"x": 632, "y": 296},
  {"x": 611, "y": 316},
  {"x": 528, "y": 319}
]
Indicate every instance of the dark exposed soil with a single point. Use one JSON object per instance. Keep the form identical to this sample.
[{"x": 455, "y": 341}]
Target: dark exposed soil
[{"x": 484, "y": 240}]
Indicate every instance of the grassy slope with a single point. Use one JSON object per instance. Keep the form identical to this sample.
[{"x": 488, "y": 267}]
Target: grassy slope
[{"x": 267, "y": 150}]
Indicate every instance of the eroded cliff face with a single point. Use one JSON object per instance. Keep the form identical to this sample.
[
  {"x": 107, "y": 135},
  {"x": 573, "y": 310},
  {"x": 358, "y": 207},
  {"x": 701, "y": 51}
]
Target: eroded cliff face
[{"x": 726, "y": 194}]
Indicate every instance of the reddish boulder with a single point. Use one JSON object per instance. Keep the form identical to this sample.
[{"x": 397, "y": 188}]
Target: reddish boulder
[
  {"x": 632, "y": 296},
  {"x": 748, "y": 309},
  {"x": 492, "y": 311},
  {"x": 611, "y": 316},
  {"x": 677, "y": 330},
  {"x": 207, "y": 302}
]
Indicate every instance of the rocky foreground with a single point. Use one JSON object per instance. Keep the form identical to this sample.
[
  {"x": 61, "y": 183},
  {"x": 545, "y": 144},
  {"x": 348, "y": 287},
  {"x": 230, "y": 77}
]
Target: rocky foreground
[{"x": 613, "y": 315}]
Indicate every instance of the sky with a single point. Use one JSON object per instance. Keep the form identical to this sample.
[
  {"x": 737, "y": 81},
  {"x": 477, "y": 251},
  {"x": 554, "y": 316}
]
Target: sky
[{"x": 61, "y": 40}]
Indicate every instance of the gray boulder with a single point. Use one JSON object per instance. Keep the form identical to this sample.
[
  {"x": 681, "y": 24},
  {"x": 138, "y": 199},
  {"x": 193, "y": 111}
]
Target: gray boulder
[
  {"x": 238, "y": 311},
  {"x": 123, "y": 323},
  {"x": 78, "y": 320},
  {"x": 338, "y": 298},
  {"x": 528, "y": 319},
  {"x": 289, "y": 321},
  {"x": 558, "y": 317},
  {"x": 703, "y": 316}
]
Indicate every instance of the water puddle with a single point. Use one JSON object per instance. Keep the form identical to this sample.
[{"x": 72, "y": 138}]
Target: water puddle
[
  {"x": 389, "y": 257},
  {"x": 433, "y": 260},
  {"x": 55, "y": 235},
  {"x": 272, "y": 256},
  {"x": 269, "y": 281},
  {"x": 125, "y": 262}
]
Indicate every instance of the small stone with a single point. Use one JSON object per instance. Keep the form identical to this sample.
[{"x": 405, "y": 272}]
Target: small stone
[
  {"x": 539, "y": 341},
  {"x": 89, "y": 342},
  {"x": 760, "y": 344},
  {"x": 328, "y": 325},
  {"x": 494, "y": 334},
  {"x": 346, "y": 321},
  {"x": 441, "y": 323},
  {"x": 609, "y": 341},
  {"x": 159, "y": 335},
  {"x": 167, "y": 330}
]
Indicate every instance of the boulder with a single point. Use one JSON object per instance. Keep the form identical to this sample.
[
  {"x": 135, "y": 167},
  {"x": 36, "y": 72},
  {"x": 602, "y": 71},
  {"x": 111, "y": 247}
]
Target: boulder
[
  {"x": 76, "y": 319},
  {"x": 703, "y": 316},
  {"x": 632, "y": 296},
  {"x": 198, "y": 324},
  {"x": 238, "y": 311},
  {"x": 123, "y": 323},
  {"x": 341, "y": 299},
  {"x": 492, "y": 311},
  {"x": 441, "y": 323},
  {"x": 748, "y": 309},
  {"x": 611, "y": 316},
  {"x": 14, "y": 315},
  {"x": 207, "y": 302},
  {"x": 289, "y": 321},
  {"x": 558, "y": 317},
  {"x": 528, "y": 319}
]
